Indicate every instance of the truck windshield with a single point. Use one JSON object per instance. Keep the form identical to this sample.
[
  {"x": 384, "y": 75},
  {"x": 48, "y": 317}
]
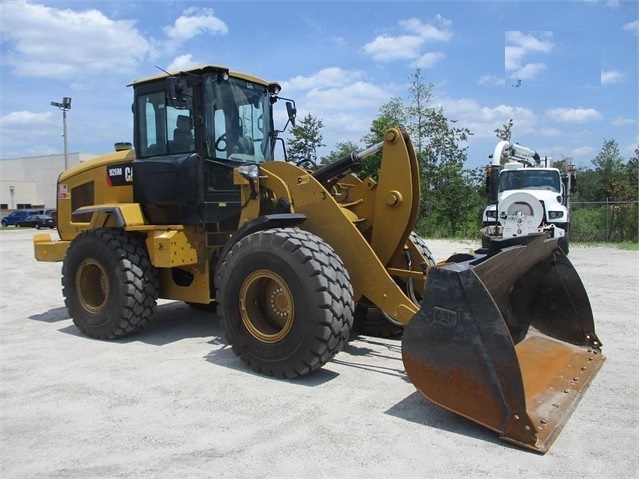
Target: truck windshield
[
  {"x": 238, "y": 120},
  {"x": 529, "y": 179}
]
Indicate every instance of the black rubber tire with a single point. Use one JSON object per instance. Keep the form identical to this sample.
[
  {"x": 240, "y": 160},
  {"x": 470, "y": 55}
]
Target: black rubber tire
[
  {"x": 4, "y": 224},
  {"x": 564, "y": 244},
  {"x": 371, "y": 321},
  {"x": 108, "y": 282},
  {"x": 285, "y": 302},
  {"x": 564, "y": 241},
  {"x": 423, "y": 248}
]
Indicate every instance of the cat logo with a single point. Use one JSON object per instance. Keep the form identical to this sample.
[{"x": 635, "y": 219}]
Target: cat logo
[{"x": 120, "y": 175}]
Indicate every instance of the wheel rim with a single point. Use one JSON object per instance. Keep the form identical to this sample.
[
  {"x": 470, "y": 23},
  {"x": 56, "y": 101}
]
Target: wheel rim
[
  {"x": 266, "y": 306},
  {"x": 92, "y": 286}
]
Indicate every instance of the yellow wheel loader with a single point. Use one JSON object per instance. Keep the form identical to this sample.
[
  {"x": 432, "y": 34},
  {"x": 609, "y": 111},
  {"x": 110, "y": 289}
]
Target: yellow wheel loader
[{"x": 200, "y": 212}]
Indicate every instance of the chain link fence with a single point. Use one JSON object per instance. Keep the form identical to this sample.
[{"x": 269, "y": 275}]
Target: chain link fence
[{"x": 604, "y": 221}]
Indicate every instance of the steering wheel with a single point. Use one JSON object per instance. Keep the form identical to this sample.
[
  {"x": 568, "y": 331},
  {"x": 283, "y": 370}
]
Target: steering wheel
[{"x": 219, "y": 141}]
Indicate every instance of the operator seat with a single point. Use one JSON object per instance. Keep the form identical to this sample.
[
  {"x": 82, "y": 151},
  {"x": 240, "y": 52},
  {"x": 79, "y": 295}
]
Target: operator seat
[
  {"x": 245, "y": 146},
  {"x": 183, "y": 140}
]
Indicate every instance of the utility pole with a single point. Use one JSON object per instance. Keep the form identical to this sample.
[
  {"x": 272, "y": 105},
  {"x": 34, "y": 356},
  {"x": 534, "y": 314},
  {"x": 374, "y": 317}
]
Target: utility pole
[{"x": 64, "y": 106}]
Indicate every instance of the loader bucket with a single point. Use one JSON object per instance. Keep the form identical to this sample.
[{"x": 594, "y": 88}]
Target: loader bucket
[{"x": 506, "y": 339}]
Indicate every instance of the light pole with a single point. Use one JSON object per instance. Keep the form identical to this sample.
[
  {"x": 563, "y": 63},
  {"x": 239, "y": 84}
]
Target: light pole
[{"x": 64, "y": 106}]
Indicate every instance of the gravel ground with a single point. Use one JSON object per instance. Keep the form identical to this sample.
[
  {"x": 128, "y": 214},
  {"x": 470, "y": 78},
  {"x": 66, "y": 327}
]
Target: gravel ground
[{"x": 173, "y": 401}]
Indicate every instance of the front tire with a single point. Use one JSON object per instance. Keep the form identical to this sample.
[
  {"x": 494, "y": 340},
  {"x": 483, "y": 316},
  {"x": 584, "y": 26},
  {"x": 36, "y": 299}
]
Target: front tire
[
  {"x": 372, "y": 321},
  {"x": 564, "y": 241},
  {"x": 108, "y": 282},
  {"x": 285, "y": 302}
]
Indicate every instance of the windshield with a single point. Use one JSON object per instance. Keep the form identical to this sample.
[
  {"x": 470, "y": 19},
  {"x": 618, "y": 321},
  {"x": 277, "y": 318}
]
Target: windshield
[
  {"x": 238, "y": 120},
  {"x": 529, "y": 178}
]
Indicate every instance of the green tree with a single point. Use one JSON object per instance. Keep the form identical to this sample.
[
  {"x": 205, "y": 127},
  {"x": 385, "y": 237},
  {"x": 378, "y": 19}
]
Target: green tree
[
  {"x": 342, "y": 148},
  {"x": 612, "y": 172},
  {"x": 505, "y": 132},
  {"x": 391, "y": 115},
  {"x": 444, "y": 209},
  {"x": 306, "y": 138},
  {"x": 612, "y": 180}
]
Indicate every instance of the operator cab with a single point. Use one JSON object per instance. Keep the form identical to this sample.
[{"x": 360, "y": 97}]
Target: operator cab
[{"x": 191, "y": 130}]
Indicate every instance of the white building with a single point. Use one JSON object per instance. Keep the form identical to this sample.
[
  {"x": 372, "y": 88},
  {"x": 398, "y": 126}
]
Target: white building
[{"x": 31, "y": 182}]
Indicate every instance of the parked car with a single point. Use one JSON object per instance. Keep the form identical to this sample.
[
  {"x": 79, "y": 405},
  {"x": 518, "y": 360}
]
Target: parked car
[
  {"x": 37, "y": 221},
  {"x": 19, "y": 215},
  {"x": 53, "y": 213}
]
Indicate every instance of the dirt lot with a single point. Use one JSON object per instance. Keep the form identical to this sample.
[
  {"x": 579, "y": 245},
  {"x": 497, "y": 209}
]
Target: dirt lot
[{"x": 174, "y": 401}]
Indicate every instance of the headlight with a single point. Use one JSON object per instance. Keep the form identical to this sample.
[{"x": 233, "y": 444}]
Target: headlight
[
  {"x": 553, "y": 215},
  {"x": 249, "y": 171},
  {"x": 491, "y": 214}
]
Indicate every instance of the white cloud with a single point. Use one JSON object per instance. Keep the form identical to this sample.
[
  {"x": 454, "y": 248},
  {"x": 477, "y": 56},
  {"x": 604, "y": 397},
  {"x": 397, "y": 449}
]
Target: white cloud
[
  {"x": 407, "y": 46},
  {"x": 386, "y": 48},
  {"x": 427, "y": 31},
  {"x": 428, "y": 60},
  {"x": 612, "y": 77},
  {"x": 182, "y": 62},
  {"x": 353, "y": 96},
  {"x": 327, "y": 77},
  {"x": 621, "y": 121},
  {"x": 483, "y": 120},
  {"x": 519, "y": 46},
  {"x": 193, "y": 22},
  {"x": 26, "y": 133},
  {"x": 25, "y": 118},
  {"x": 587, "y": 151},
  {"x": 339, "y": 41},
  {"x": 529, "y": 71},
  {"x": 573, "y": 115},
  {"x": 342, "y": 99},
  {"x": 632, "y": 27},
  {"x": 492, "y": 80},
  {"x": 46, "y": 42}
]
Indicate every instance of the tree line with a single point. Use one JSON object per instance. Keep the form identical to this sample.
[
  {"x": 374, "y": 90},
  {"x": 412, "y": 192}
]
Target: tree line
[{"x": 453, "y": 197}]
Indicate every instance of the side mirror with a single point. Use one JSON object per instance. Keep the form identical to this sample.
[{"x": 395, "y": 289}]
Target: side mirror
[
  {"x": 492, "y": 183},
  {"x": 176, "y": 94},
  {"x": 292, "y": 112}
]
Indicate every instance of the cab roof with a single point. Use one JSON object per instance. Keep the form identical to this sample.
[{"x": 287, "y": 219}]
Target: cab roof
[{"x": 200, "y": 70}]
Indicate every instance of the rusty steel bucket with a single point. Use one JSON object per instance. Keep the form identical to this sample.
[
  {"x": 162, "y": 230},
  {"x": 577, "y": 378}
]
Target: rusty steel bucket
[{"x": 506, "y": 339}]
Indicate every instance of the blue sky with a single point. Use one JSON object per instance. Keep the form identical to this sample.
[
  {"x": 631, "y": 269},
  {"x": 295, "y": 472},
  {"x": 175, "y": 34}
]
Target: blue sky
[{"x": 564, "y": 71}]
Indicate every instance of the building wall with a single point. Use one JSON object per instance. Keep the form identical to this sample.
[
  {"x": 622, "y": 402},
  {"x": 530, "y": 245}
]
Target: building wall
[{"x": 34, "y": 179}]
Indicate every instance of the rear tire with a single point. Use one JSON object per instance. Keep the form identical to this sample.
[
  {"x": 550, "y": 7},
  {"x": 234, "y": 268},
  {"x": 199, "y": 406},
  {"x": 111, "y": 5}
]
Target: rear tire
[
  {"x": 108, "y": 282},
  {"x": 285, "y": 302}
]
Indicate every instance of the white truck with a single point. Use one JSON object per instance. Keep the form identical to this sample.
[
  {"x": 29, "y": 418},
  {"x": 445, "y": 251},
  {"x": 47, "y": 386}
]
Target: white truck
[{"x": 526, "y": 196}]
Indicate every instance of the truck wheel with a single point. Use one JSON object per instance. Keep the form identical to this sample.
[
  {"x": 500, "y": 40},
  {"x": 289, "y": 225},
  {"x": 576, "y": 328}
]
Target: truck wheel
[
  {"x": 285, "y": 301},
  {"x": 108, "y": 282},
  {"x": 564, "y": 244},
  {"x": 373, "y": 322}
]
